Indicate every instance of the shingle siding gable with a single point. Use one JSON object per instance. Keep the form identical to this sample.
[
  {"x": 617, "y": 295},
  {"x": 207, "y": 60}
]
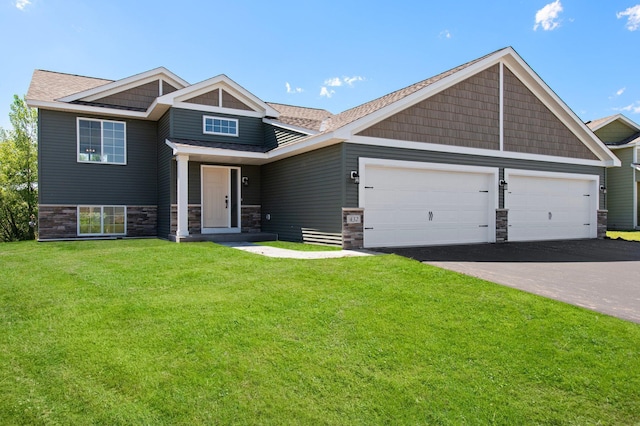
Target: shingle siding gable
[{"x": 466, "y": 114}]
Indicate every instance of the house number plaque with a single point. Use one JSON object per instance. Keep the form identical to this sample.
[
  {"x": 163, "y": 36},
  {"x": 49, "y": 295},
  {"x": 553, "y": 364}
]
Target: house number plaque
[{"x": 354, "y": 218}]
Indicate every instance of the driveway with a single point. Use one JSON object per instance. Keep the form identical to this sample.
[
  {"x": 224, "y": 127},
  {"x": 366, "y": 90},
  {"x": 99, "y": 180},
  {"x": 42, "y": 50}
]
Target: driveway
[{"x": 602, "y": 275}]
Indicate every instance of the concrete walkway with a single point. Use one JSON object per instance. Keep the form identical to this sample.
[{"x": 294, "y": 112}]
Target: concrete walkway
[{"x": 293, "y": 254}]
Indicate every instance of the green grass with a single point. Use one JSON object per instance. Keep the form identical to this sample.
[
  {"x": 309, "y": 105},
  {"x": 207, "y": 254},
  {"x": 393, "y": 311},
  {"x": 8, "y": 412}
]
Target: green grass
[
  {"x": 299, "y": 246},
  {"x": 624, "y": 235},
  {"x": 151, "y": 332}
]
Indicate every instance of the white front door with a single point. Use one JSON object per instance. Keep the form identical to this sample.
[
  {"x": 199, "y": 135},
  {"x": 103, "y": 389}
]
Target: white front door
[{"x": 216, "y": 198}]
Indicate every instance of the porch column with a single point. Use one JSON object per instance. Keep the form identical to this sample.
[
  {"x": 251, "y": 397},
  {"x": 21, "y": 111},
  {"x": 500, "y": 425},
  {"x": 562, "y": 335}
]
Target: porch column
[{"x": 183, "y": 196}]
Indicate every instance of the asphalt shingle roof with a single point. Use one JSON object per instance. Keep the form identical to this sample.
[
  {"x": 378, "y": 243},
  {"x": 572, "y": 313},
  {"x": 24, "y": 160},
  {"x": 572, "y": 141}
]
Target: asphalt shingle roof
[{"x": 49, "y": 85}]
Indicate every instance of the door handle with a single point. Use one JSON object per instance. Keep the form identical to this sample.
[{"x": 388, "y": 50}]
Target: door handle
[{"x": 226, "y": 201}]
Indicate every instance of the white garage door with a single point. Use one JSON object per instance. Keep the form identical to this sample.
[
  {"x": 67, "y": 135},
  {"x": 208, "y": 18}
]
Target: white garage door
[
  {"x": 551, "y": 206},
  {"x": 411, "y": 206}
]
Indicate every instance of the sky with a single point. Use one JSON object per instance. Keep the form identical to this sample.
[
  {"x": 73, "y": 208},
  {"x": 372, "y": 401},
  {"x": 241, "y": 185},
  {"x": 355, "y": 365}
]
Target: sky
[{"x": 330, "y": 54}]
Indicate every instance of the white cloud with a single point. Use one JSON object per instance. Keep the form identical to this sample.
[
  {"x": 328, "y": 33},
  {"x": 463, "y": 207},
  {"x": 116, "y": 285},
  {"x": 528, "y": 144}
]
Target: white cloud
[
  {"x": 634, "y": 108},
  {"x": 21, "y": 4},
  {"x": 333, "y": 82},
  {"x": 633, "y": 21},
  {"x": 293, "y": 90},
  {"x": 351, "y": 80},
  {"x": 445, "y": 34},
  {"x": 327, "y": 93},
  {"x": 338, "y": 82},
  {"x": 619, "y": 92},
  {"x": 547, "y": 17}
]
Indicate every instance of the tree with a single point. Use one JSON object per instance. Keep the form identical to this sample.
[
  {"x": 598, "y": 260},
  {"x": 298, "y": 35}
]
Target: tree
[{"x": 19, "y": 174}]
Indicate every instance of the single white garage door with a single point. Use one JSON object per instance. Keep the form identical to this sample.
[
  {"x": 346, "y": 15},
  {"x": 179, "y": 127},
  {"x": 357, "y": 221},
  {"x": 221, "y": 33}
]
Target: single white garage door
[
  {"x": 427, "y": 204},
  {"x": 551, "y": 206}
]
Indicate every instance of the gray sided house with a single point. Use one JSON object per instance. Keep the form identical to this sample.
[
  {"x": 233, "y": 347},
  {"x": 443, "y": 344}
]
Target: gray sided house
[
  {"x": 622, "y": 136},
  {"x": 485, "y": 152}
]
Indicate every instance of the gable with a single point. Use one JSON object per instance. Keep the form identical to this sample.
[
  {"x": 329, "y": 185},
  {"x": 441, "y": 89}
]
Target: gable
[
  {"x": 530, "y": 127},
  {"x": 167, "y": 88},
  {"x": 466, "y": 114},
  {"x": 211, "y": 98},
  {"x": 138, "y": 98},
  {"x": 219, "y": 98},
  {"x": 615, "y": 132}
]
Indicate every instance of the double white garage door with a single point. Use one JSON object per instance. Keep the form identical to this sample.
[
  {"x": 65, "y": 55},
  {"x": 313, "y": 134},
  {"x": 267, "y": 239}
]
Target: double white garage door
[{"x": 411, "y": 204}]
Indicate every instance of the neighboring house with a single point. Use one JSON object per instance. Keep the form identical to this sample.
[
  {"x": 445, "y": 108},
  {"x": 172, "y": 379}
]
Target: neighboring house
[
  {"x": 484, "y": 152},
  {"x": 622, "y": 136}
]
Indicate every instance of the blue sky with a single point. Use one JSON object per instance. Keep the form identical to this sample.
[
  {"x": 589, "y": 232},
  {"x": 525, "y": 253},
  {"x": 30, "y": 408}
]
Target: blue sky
[{"x": 330, "y": 54}]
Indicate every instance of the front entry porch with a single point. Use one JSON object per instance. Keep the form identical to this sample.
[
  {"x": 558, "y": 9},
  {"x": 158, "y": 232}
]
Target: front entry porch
[{"x": 250, "y": 224}]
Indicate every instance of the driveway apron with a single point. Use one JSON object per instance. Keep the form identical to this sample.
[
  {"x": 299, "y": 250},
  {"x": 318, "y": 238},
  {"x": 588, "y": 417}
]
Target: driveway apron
[{"x": 601, "y": 275}]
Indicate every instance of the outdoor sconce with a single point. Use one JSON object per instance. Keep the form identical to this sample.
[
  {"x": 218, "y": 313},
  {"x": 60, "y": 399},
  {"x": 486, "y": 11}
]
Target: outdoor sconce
[
  {"x": 503, "y": 184},
  {"x": 245, "y": 180},
  {"x": 603, "y": 189},
  {"x": 354, "y": 176}
]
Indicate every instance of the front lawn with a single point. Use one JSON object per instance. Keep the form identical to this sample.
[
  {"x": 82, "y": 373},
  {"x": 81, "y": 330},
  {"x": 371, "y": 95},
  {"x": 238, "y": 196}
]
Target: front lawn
[{"x": 151, "y": 332}]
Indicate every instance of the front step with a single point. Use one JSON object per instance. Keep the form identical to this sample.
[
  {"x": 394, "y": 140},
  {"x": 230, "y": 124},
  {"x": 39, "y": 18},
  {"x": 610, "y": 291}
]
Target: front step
[{"x": 225, "y": 238}]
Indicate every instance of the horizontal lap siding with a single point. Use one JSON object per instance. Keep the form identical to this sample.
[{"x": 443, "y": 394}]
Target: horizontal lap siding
[
  {"x": 276, "y": 136},
  {"x": 304, "y": 191},
  {"x": 165, "y": 161},
  {"x": 615, "y": 132},
  {"x": 466, "y": 114},
  {"x": 187, "y": 124},
  {"x": 63, "y": 180},
  {"x": 354, "y": 151},
  {"x": 530, "y": 127},
  {"x": 620, "y": 192}
]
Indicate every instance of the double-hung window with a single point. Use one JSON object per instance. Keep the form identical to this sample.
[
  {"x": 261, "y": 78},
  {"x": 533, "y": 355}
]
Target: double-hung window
[
  {"x": 102, "y": 141},
  {"x": 219, "y": 126},
  {"x": 102, "y": 220}
]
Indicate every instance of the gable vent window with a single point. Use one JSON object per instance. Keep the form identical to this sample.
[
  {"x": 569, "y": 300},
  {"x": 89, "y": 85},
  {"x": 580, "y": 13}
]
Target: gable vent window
[
  {"x": 101, "y": 141},
  {"x": 220, "y": 126}
]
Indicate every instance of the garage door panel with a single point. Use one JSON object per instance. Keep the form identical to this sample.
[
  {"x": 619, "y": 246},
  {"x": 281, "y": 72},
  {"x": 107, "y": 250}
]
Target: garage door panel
[
  {"x": 554, "y": 207},
  {"x": 410, "y": 206}
]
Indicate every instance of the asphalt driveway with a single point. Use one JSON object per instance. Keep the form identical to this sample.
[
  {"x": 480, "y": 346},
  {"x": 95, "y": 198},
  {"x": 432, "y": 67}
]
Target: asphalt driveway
[{"x": 602, "y": 275}]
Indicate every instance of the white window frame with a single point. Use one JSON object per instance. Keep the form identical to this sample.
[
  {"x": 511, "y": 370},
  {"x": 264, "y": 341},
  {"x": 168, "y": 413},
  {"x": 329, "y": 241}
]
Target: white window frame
[
  {"x": 101, "y": 220},
  {"x": 101, "y": 141},
  {"x": 211, "y": 117}
]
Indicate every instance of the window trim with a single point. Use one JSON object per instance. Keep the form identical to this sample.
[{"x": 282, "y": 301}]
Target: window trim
[
  {"x": 101, "y": 121},
  {"x": 212, "y": 117},
  {"x": 102, "y": 233}
]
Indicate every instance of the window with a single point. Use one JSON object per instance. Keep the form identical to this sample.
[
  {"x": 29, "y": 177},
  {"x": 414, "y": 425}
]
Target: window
[
  {"x": 102, "y": 220},
  {"x": 220, "y": 126},
  {"x": 101, "y": 141}
]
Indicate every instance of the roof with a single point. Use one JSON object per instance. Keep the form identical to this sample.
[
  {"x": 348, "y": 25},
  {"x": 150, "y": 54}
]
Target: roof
[
  {"x": 225, "y": 145},
  {"x": 64, "y": 92},
  {"x": 596, "y": 124},
  {"x": 600, "y": 123},
  {"x": 50, "y": 85},
  {"x": 308, "y": 118},
  {"x": 367, "y": 108}
]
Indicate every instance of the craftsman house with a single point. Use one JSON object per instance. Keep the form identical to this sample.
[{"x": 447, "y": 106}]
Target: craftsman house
[
  {"x": 485, "y": 152},
  {"x": 622, "y": 136}
]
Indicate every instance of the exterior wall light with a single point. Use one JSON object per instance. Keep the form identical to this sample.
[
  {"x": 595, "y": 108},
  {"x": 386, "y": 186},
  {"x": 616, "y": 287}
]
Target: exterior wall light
[
  {"x": 603, "y": 189},
  {"x": 354, "y": 176},
  {"x": 503, "y": 184},
  {"x": 245, "y": 180}
]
